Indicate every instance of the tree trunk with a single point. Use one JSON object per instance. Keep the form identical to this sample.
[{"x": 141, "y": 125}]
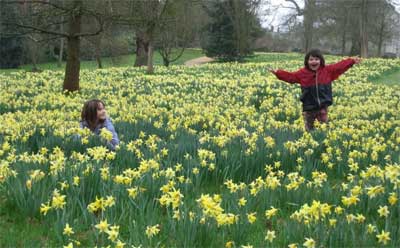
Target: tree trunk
[
  {"x": 309, "y": 19},
  {"x": 381, "y": 32},
  {"x": 97, "y": 51},
  {"x": 98, "y": 58},
  {"x": 344, "y": 33},
  {"x": 59, "y": 61},
  {"x": 237, "y": 16},
  {"x": 379, "y": 52},
  {"x": 142, "y": 48},
  {"x": 34, "y": 63},
  {"x": 60, "y": 55},
  {"x": 34, "y": 59},
  {"x": 164, "y": 52},
  {"x": 343, "y": 42},
  {"x": 71, "y": 80},
  {"x": 166, "y": 62},
  {"x": 355, "y": 44},
  {"x": 150, "y": 68},
  {"x": 32, "y": 48},
  {"x": 363, "y": 29}
]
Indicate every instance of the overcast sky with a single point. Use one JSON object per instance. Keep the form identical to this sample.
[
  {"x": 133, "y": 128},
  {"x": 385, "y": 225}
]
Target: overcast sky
[{"x": 280, "y": 9}]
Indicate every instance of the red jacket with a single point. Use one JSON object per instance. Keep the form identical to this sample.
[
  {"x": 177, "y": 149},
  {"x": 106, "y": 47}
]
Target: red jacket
[{"x": 316, "y": 85}]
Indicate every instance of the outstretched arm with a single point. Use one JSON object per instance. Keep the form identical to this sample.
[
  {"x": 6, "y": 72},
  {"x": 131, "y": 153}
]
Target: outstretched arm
[
  {"x": 290, "y": 77},
  {"x": 341, "y": 67}
]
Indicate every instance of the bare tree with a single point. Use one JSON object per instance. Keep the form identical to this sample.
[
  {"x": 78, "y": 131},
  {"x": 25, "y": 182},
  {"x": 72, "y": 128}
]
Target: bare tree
[
  {"x": 49, "y": 13},
  {"x": 175, "y": 31},
  {"x": 309, "y": 13},
  {"x": 384, "y": 26},
  {"x": 145, "y": 17},
  {"x": 363, "y": 28},
  {"x": 32, "y": 40},
  {"x": 335, "y": 18}
]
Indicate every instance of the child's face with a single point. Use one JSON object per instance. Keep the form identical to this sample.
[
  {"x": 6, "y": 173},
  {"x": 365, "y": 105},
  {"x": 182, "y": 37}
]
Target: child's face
[
  {"x": 314, "y": 63},
  {"x": 101, "y": 112}
]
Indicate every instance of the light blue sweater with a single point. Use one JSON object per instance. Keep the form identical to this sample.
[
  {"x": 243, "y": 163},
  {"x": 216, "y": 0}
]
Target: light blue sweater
[{"x": 109, "y": 126}]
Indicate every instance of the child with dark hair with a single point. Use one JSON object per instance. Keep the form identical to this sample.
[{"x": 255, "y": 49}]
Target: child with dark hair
[
  {"x": 95, "y": 118},
  {"x": 315, "y": 80}
]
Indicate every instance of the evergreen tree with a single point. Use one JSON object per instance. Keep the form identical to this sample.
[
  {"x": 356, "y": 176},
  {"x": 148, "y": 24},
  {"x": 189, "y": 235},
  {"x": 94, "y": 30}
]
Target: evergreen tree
[{"x": 232, "y": 29}]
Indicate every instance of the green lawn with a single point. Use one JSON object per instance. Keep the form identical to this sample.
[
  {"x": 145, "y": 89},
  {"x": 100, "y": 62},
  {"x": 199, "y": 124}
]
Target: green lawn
[
  {"x": 107, "y": 62},
  {"x": 17, "y": 231},
  {"x": 392, "y": 78}
]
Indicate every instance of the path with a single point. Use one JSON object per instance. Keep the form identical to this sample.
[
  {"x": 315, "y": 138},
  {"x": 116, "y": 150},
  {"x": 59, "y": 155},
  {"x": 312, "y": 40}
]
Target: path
[{"x": 198, "y": 61}]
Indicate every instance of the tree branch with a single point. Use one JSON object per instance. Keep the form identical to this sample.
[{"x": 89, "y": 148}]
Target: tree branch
[
  {"x": 179, "y": 55},
  {"x": 42, "y": 40},
  {"x": 37, "y": 2},
  {"x": 44, "y": 31},
  {"x": 299, "y": 10},
  {"x": 100, "y": 22}
]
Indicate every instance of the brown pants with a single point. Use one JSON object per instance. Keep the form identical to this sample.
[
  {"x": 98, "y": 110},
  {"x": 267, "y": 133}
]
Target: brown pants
[{"x": 310, "y": 117}]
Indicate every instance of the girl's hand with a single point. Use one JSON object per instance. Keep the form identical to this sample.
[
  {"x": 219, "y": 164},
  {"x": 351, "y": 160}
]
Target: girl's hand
[
  {"x": 271, "y": 70},
  {"x": 357, "y": 60}
]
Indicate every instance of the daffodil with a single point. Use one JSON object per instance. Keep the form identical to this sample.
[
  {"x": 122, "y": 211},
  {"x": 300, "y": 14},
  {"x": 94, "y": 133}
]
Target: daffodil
[
  {"x": 271, "y": 212},
  {"x": 270, "y": 236},
  {"x": 309, "y": 243},
  {"x": 152, "y": 230},
  {"x": 383, "y": 211},
  {"x": 103, "y": 226},
  {"x": 251, "y": 217},
  {"x": 242, "y": 201},
  {"x": 383, "y": 237},
  {"x": 68, "y": 230}
]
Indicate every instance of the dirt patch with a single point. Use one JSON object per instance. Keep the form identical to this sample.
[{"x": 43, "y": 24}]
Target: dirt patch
[{"x": 198, "y": 61}]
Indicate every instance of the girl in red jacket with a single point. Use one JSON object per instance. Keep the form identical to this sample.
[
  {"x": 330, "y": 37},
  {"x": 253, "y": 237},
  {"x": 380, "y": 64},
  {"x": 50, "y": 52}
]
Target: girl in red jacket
[{"x": 315, "y": 80}]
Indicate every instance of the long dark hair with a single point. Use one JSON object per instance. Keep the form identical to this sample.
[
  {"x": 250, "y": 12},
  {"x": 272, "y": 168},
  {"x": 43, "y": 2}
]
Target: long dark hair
[
  {"x": 315, "y": 53},
  {"x": 89, "y": 112}
]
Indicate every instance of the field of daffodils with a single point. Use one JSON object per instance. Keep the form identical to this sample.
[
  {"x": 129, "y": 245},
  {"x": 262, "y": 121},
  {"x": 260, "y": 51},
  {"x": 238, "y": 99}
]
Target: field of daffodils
[{"x": 210, "y": 156}]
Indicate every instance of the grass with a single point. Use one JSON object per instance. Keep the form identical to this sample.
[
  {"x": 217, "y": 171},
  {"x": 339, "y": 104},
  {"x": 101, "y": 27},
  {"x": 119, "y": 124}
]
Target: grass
[
  {"x": 18, "y": 231},
  {"x": 392, "y": 78},
  {"x": 107, "y": 62}
]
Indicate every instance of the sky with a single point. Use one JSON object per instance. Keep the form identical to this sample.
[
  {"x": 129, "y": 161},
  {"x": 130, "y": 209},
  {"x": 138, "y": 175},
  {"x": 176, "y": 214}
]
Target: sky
[{"x": 280, "y": 9}]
